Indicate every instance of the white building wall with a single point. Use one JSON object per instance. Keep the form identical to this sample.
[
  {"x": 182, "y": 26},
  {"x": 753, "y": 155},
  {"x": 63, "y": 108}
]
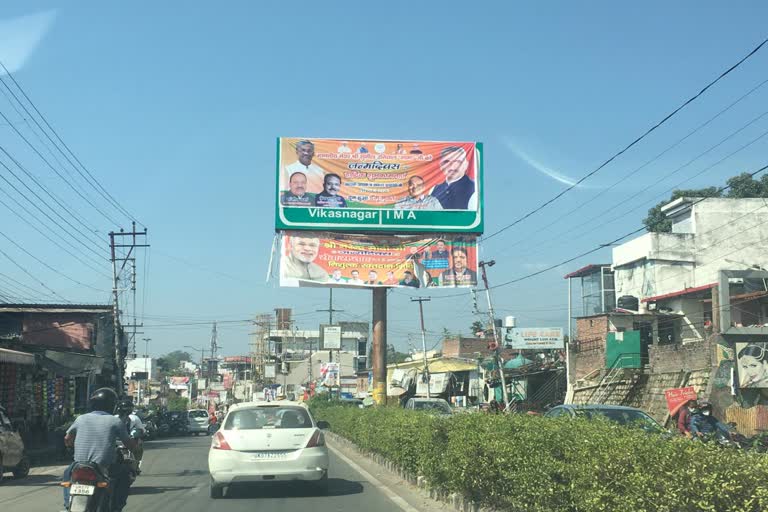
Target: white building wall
[
  {"x": 728, "y": 234},
  {"x": 138, "y": 365}
]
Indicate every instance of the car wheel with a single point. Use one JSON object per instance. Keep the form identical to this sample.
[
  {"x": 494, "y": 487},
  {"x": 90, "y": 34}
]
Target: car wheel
[
  {"x": 217, "y": 491},
  {"x": 22, "y": 470}
]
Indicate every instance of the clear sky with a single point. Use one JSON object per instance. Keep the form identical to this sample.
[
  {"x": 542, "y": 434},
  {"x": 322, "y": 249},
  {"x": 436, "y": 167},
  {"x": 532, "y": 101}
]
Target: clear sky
[{"x": 174, "y": 107}]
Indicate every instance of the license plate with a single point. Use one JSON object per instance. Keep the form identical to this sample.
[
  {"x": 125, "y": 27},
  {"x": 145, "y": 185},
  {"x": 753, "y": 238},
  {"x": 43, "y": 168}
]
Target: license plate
[
  {"x": 80, "y": 489},
  {"x": 268, "y": 455}
]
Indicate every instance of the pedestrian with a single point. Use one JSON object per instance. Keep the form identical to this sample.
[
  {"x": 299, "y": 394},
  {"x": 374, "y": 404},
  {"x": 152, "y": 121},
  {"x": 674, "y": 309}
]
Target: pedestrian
[{"x": 684, "y": 417}]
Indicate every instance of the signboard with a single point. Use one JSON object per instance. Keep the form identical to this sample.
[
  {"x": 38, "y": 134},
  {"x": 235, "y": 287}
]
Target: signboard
[
  {"x": 139, "y": 375},
  {"x": 269, "y": 371},
  {"x": 534, "y": 338},
  {"x": 178, "y": 383},
  {"x": 379, "y": 185},
  {"x": 752, "y": 364},
  {"x": 332, "y": 337},
  {"x": 349, "y": 261},
  {"x": 677, "y": 397},
  {"x": 437, "y": 384}
]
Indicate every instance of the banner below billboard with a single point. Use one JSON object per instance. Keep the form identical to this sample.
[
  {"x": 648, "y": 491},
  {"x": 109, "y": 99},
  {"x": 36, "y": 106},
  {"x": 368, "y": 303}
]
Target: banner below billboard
[
  {"x": 535, "y": 338},
  {"x": 331, "y": 337},
  {"x": 379, "y": 185},
  {"x": 349, "y": 261}
]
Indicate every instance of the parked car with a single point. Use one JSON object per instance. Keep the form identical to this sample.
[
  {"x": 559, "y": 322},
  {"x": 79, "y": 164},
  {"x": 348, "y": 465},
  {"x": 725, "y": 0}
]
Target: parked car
[
  {"x": 436, "y": 406},
  {"x": 352, "y": 402},
  {"x": 618, "y": 413},
  {"x": 197, "y": 420},
  {"x": 268, "y": 442},
  {"x": 12, "y": 456}
]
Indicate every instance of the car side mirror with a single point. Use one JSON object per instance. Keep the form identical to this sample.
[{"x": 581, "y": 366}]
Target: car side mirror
[{"x": 323, "y": 425}]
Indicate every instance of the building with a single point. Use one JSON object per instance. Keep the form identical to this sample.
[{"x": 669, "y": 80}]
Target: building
[
  {"x": 51, "y": 357},
  {"x": 687, "y": 302}
]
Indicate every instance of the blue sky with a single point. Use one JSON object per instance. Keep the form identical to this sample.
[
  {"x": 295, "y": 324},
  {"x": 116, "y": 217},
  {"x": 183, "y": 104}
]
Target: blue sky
[{"x": 174, "y": 107}]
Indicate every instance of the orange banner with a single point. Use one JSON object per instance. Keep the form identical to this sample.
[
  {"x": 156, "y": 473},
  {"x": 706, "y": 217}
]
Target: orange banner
[{"x": 371, "y": 261}]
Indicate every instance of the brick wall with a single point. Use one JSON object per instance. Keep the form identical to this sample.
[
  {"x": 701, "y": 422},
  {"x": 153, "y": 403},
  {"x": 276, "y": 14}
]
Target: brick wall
[
  {"x": 589, "y": 352},
  {"x": 677, "y": 357},
  {"x": 467, "y": 347}
]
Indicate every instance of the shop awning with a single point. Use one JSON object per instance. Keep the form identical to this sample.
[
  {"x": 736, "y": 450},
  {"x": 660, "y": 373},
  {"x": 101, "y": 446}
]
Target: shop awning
[
  {"x": 16, "y": 357},
  {"x": 68, "y": 364}
]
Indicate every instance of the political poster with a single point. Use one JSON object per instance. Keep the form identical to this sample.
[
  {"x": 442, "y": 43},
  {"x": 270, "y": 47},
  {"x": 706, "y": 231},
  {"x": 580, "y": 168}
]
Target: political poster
[
  {"x": 349, "y": 261},
  {"x": 379, "y": 185}
]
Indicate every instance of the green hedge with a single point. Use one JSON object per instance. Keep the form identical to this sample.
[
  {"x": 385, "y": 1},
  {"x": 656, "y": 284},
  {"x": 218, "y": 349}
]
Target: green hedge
[{"x": 527, "y": 463}]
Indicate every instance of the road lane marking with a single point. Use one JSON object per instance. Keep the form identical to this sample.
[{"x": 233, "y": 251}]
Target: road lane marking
[{"x": 397, "y": 500}]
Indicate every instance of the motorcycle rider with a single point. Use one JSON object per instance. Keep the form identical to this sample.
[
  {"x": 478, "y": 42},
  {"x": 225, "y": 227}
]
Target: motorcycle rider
[
  {"x": 93, "y": 436},
  {"x": 132, "y": 422},
  {"x": 703, "y": 424}
]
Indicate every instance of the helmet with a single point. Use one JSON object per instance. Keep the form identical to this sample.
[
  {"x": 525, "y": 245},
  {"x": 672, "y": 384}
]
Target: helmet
[
  {"x": 103, "y": 399},
  {"x": 124, "y": 407},
  {"x": 703, "y": 404}
]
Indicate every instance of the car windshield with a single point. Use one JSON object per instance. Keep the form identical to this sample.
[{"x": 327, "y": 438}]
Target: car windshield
[
  {"x": 432, "y": 406},
  {"x": 198, "y": 414},
  {"x": 268, "y": 417},
  {"x": 622, "y": 417}
]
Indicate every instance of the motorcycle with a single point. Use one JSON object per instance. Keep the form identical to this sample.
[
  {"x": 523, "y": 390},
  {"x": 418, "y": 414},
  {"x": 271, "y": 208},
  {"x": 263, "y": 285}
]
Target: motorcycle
[
  {"x": 126, "y": 457},
  {"x": 89, "y": 489}
]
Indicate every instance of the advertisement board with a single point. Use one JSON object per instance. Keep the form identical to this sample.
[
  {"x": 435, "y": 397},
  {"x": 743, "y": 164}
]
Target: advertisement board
[
  {"x": 379, "y": 185},
  {"x": 752, "y": 364},
  {"x": 348, "y": 261},
  {"x": 534, "y": 338},
  {"x": 678, "y": 397},
  {"x": 437, "y": 384},
  {"x": 332, "y": 337}
]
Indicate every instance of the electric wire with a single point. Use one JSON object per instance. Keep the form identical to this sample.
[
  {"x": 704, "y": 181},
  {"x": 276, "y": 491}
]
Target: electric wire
[
  {"x": 629, "y": 146},
  {"x": 93, "y": 181},
  {"x": 20, "y": 267}
]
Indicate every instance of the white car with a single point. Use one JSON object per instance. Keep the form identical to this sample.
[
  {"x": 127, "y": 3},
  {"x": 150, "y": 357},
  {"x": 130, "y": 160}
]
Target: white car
[{"x": 267, "y": 442}]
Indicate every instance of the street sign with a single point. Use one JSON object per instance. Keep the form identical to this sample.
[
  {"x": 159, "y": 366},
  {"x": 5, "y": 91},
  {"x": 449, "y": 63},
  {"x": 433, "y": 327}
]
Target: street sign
[
  {"x": 534, "y": 338},
  {"x": 139, "y": 375}
]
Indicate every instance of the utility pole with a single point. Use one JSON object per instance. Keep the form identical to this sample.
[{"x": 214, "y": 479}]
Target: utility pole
[
  {"x": 425, "y": 374},
  {"x": 496, "y": 340},
  {"x": 379, "y": 350},
  {"x": 146, "y": 356},
  {"x": 131, "y": 245}
]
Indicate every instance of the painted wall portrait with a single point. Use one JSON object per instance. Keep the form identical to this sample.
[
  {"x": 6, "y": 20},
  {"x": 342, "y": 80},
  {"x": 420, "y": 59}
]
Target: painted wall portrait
[{"x": 752, "y": 361}]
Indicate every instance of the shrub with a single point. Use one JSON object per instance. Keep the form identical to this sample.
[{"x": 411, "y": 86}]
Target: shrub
[{"x": 531, "y": 463}]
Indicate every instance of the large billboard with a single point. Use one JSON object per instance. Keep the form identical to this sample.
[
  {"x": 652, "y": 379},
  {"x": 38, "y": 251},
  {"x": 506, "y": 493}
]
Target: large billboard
[
  {"x": 379, "y": 185},
  {"x": 349, "y": 261}
]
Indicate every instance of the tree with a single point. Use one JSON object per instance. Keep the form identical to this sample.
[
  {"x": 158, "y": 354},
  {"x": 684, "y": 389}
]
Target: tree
[
  {"x": 177, "y": 403},
  {"x": 395, "y": 357},
  {"x": 745, "y": 186},
  {"x": 170, "y": 362},
  {"x": 477, "y": 327}
]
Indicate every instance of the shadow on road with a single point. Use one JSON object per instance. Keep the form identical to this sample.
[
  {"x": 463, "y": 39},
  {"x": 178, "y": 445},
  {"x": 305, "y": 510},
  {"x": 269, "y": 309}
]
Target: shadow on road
[
  {"x": 186, "y": 472},
  {"x": 156, "y": 489},
  {"x": 336, "y": 487},
  {"x": 32, "y": 481}
]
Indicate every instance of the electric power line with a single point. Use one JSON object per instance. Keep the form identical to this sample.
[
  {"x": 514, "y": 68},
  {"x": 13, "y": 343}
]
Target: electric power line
[{"x": 630, "y": 145}]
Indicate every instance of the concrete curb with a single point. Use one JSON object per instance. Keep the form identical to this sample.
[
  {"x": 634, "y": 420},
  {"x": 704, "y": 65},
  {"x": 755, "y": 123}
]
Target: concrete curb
[{"x": 455, "y": 501}]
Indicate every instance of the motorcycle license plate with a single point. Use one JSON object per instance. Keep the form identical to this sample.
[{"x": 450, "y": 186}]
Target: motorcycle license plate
[{"x": 80, "y": 489}]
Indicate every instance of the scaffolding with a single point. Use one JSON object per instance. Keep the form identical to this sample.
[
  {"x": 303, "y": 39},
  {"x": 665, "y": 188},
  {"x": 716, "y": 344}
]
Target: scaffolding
[{"x": 260, "y": 348}]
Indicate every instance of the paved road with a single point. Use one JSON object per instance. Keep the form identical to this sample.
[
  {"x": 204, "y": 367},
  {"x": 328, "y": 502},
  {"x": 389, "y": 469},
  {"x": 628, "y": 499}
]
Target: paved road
[{"x": 175, "y": 477}]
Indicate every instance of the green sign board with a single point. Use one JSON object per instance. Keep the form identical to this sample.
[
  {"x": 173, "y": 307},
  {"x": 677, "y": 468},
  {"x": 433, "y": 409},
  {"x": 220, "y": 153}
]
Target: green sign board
[{"x": 387, "y": 186}]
